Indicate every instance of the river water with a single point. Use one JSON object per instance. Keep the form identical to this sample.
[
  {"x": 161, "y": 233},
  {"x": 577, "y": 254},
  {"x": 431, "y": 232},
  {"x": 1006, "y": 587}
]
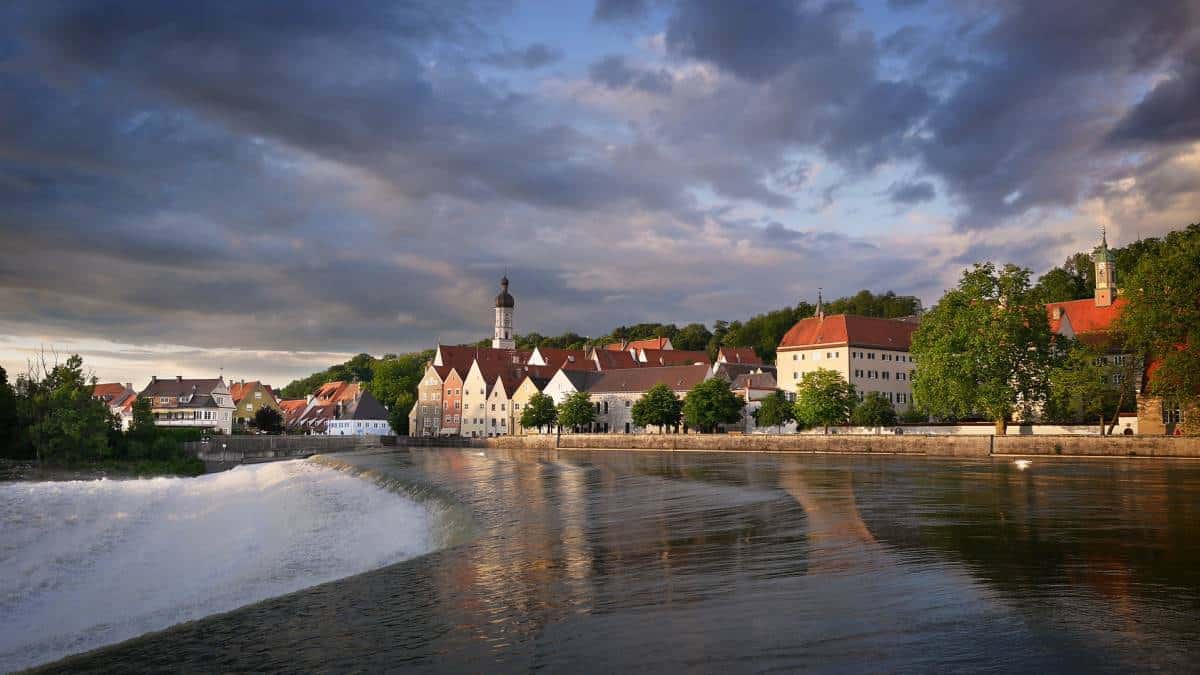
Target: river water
[{"x": 729, "y": 562}]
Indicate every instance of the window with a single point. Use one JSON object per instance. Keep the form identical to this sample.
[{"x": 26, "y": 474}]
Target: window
[
  {"x": 627, "y": 405},
  {"x": 886, "y": 375},
  {"x": 870, "y": 356},
  {"x": 795, "y": 375},
  {"x": 606, "y": 407},
  {"x": 258, "y": 394},
  {"x": 795, "y": 356},
  {"x": 501, "y": 407},
  {"x": 493, "y": 407}
]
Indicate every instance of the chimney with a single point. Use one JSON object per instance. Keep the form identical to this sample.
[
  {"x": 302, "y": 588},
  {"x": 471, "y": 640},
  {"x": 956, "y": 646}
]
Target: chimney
[
  {"x": 153, "y": 379},
  {"x": 179, "y": 378},
  {"x": 129, "y": 386}
]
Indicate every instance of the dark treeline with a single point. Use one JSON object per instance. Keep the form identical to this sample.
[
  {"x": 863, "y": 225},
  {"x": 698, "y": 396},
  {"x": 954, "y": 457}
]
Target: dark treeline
[
  {"x": 49, "y": 415},
  {"x": 1075, "y": 279}
]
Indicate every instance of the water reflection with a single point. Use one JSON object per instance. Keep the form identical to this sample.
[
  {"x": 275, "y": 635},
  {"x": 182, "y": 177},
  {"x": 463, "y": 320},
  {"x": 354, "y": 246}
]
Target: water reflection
[{"x": 598, "y": 561}]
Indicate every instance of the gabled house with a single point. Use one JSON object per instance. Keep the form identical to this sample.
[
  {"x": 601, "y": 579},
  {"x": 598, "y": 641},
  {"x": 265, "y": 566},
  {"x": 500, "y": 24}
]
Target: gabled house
[
  {"x": 181, "y": 402},
  {"x": 250, "y": 397},
  {"x": 292, "y": 409},
  {"x": 670, "y": 357},
  {"x": 361, "y": 415},
  {"x": 614, "y": 392},
  {"x": 119, "y": 397},
  {"x": 738, "y": 355}
]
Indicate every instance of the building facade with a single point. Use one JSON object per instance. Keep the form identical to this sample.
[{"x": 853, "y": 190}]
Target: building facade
[
  {"x": 613, "y": 393},
  {"x": 249, "y": 398},
  {"x": 180, "y": 402},
  {"x": 870, "y": 353}
]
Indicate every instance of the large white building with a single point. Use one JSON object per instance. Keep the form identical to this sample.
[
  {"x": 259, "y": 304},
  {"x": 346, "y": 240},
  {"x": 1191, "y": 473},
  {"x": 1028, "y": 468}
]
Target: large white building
[{"x": 870, "y": 353}]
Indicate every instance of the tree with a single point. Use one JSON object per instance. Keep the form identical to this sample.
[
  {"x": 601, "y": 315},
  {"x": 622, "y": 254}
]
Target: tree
[
  {"x": 1082, "y": 387},
  {"x": 398, "y": 412},
  {"x": 823, "y": 398},
  {"x": 1162, "y": 319},
  {"x": 986, "y": 348},
  {"x": 874, "y": 410},
  {"x": 8, "y": 417},
  {"x": 1074, "y": 280},
  {"x": 774, "y": 411},
  {"x": 268, "y": 419},
  {"x": 65, "y": 424},
  {"x": 659, "y": 407},
  {"x": 539, "y": 412},
  {"x": 692, "y": 337},
  {"x": 576, "y": 411},
  {"x": 710, "y": 404}
]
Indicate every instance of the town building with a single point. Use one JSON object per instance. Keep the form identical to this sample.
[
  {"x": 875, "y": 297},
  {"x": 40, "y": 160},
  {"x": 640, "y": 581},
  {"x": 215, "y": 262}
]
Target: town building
[
  {"x": 452, "y": 389},
  {"x": 669, "y": 357},
  {"x": 292, "y": 409},
  {"x": 250, "y": 397},
  {"x": 323, "y": 406},
  {"x": 531, "y": 384},
  {"x": 870, "y": 353},
  {"x": 478, "y": 419},
  {"x": 739, "y": 355},
  {"x": 426, "y": 415},
  {"x": 119, "y": 396},
  {"x": 613, "y": 393},
  {"x": 566, "y": 382},
  {"x": 361, "y": 415},
  {"x": 185, "y": 402}
]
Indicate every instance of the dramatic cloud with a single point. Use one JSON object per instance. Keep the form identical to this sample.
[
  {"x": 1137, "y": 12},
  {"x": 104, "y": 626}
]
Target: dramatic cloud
[{"x": 186, "y": 185}]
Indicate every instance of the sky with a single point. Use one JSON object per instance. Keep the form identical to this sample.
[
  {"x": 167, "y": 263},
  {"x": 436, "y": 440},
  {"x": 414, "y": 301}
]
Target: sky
[{"x": 262, "y": 189}]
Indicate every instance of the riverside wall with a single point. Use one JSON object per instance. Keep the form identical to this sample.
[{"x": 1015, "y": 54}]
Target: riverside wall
[{"x": 930, "y": 446}]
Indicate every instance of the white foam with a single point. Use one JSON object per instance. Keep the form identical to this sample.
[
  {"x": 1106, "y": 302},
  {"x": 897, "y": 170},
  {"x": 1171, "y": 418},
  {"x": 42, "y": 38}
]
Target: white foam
[{"x": 89, "y": 563}]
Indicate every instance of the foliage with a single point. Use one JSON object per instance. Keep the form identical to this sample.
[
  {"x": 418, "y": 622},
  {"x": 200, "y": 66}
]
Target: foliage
[
  {"x": 398, "y": 412},
  {"x": 692, "y": 337},
  {"x": 914, "y": 415},
  {"x": 539, "y": 412},
  {"x": 1082, "y": 386},
  {"x": 985, "y": 348},
  {"x": 1075, "y": 279},
  {"x": 1162, "y": 319},
  {"x": 874, "y": 410},
  {"x": 775, "y": 411},
  {"x": 659, "y": 407},
  {"x": 268, "y": 419},
  {"x": 8, "y": 416},
  {"x": 576, "y": 411},
  {"x": 823, "y": 398},
  {"x": 62, "y": 423},
  {"x": 885, "y": 305},
  {"x": 710, "y": 404}
]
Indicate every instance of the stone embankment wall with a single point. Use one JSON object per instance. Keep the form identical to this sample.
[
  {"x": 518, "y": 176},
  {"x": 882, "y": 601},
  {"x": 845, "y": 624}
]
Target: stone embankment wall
[{"x": 931, "y": 446}]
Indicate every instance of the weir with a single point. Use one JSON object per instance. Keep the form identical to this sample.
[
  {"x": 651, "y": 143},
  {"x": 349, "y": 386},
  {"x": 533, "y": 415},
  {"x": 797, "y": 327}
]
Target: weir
[{"x": 224, "y": 452}]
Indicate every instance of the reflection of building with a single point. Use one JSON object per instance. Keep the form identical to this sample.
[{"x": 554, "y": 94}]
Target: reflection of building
[
  {"x": 870, "y": 353},
  {"x": 183, "y": 402}
]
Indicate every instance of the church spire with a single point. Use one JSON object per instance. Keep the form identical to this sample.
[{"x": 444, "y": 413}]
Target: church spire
[
  {"x": 820, "y": 305},
  {"x": 1106, "y": 271}
]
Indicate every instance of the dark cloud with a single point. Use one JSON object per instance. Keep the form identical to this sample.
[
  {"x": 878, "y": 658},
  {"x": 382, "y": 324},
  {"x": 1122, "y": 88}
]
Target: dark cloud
[
  {"x": 904, "y": 192},
  {"x": 1170, "y": 112},
  {"x": 619, "y": 10},
  {"x": 532, "y": 57}
]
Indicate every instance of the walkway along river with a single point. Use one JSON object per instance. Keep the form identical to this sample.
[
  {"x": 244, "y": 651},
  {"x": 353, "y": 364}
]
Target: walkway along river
[{"x": 593, "y": 561}]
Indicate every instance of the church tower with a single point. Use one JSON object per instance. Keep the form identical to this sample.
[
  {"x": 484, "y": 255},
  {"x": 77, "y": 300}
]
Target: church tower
[
  {"x": 1106, "y": 272},
  {"x": 503, "y": 338}
]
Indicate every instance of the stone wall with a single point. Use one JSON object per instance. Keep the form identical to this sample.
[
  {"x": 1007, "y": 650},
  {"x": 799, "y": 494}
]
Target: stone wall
[{"x": 932, "y": 446}]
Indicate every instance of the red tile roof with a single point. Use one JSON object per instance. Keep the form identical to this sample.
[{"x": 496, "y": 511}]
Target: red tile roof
[
  {"x": 292, "y": 409},
  {"x": 108, "y": 391},
  {"x": 239, "y": 390},
  {"x": 638, "y": 380},
  {"x": 739, "y": 355},
  {"x": 649, "y": 343},
  {"x": 671, "y": 357},
  {"x": 1084, "y": 316},
  {"x": 851, "y": 330},
  {"x": 571, "y": 359},
  {"x": 609, "y": 360}
]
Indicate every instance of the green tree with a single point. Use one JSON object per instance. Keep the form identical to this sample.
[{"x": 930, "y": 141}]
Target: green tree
[
  {"x": 268, "y": 419},
  {"x": 1162, "y": 319},
  {"x": 711, "y": 403},
  {"x": 1082, "y": 387},
  {"x": 823, "y": 398},
  {"x": 874, "y": 410},
  {"x": 8, "y": 417},
  {"x": 659, "y": 407},
  {"x": 539, "y": 412},
  {"x": 576, "y": 411},
  {"x": 775, "y": 411},
  {"x": 1074, "y": 280},
  {"x": 398, "y": 412},
  {"x": 986, "y": 348},
  {"x": 65, "y": 424},
  {"x": 692, "y": 337}
]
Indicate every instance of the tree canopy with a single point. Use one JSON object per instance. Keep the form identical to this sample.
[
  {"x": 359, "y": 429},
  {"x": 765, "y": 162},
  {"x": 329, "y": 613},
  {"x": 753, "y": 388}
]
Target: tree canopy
[
  {"x": 1162, "y": 319},
  {"x": 1082, "y": 386},
  {"x": 874, "y": 410},
  {"x": 539, "y": 412},
  {"x": 268, "y": 419},
  {"x": 774, "y": 411},
  {"x": 8, "y": 416},
  {"x": 710, "y": 404},
  {"x": 823, "y": 398},
  {"x": 985, "y": 348},
  {"x": 576, "y": 411},
  {"x": 659, "y": 407}
]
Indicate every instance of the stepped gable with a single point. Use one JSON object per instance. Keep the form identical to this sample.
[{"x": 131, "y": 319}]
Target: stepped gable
[
  {"x": 640, "y": 380},
  {"x": 851, "y": 330}
]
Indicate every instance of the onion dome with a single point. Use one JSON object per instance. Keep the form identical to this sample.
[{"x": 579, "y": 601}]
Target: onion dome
[{"x": 504, "y": 299}]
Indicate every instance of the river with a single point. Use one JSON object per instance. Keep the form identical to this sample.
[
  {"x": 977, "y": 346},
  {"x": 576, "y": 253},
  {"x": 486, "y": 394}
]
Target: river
[{"x": 722, "y": 562}]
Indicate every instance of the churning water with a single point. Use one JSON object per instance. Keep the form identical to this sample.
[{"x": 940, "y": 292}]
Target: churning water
[{"x": 90, "y": 563}]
